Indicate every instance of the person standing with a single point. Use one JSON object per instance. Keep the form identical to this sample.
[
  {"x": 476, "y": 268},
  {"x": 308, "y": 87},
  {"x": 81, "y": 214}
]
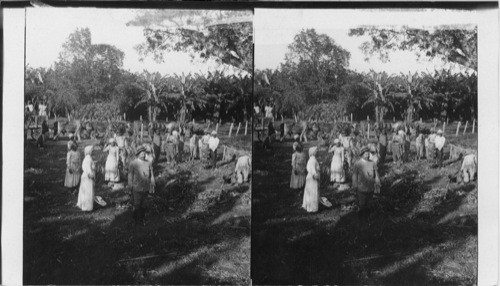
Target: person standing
[
  {"x": 156, "y": 144},
  {"x": 337, "y": 174},
  {"x": 311, "y": 191},
  {"x": 213, "y": 144},
  {"x": 111, "y": 171},
  {"x": 86, "y": 193},
  {"x": 431, "y": 148},
  {"x": 194, "y": 149},
  {"x": 396, "y": 149},
  {"x": 299, "y": 167},
  {"x": 73, "y": 167},
  {"x": 140, "y": 181},
  {"x": 419, "y": 143},
  {"x": 439, "y": 142},
  {"x": 382, "y": 145},
  {"x": 365, "y": 180},
  {"x": 203, "y": 145},
  {"x": 303, "y": 134}
]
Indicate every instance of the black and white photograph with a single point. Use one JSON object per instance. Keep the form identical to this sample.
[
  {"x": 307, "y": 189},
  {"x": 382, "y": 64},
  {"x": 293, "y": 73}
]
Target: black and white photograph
[
  {"x": 250, "y": 143},
  {"x": 366, "y": 159},
  {"x": 137, "y": 146}
]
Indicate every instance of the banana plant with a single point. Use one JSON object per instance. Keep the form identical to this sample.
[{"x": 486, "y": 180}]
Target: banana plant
[
  {"x": 416, "y": 93},
  {"x": 382, "y": 86}
]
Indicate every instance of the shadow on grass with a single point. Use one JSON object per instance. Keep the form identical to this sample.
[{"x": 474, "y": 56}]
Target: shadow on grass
[
  {"x": 63, "y": 245},
  {"x": 398, "y": 242}
]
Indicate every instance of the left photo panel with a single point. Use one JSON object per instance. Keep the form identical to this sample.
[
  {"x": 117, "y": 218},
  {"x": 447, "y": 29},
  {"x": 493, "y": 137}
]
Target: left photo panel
[{"x": 137, "y": 146}]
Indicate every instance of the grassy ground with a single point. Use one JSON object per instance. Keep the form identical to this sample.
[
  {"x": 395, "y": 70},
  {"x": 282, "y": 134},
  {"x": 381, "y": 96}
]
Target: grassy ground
[
  {"x": 422, "y": 231},
  {"x": 197, "y": 231}
]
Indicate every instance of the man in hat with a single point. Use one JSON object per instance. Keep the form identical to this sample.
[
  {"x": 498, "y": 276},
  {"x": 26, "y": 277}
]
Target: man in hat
[
  {"x": 213, "y": 144},
  {"x": 439, "y": 144},
  {"x": 365, "y": 180},
  {"x": 140, "y": 181}
]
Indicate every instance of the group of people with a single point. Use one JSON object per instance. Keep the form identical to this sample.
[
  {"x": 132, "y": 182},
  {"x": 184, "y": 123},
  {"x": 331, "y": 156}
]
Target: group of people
[
  {"x": 364, "y": 172},
  {"x": 306, "y": 173},
  {"x": 81, "y": 174}
]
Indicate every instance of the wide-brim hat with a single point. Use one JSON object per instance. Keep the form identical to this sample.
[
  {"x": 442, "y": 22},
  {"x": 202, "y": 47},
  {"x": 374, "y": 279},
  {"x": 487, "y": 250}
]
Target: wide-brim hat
[
  {"x": 336, "y": 141},
  {"x": 214, "y": 133},
  {"x": 364, "y": 150},
  {"x": 440, "y": 131},
  {"x": 139, "y": 150}
]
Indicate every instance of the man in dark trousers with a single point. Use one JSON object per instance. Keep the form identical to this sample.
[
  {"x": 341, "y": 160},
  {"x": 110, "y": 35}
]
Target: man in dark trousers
[
  {"x": 141, "y": 180},
  {"x": 365, "y": 180}
]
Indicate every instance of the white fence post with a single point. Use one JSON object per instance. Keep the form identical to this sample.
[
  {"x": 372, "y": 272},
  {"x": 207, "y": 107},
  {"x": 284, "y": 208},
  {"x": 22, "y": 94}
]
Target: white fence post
[
  {"x": 473, "y": 125},
  {"x": 458, "y": 128},
  {"x": 230, "y": 129},
  {"x": 246, "y": 127},
  {"x": 466, "y": 123},
  {"x": 238, "y": 130}
]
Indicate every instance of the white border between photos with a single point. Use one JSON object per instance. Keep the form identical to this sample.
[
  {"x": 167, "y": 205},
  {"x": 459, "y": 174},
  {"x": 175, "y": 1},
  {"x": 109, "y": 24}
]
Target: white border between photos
[
  {"x": 12, "y": 184},
  {"x": 13, "y": 147}
]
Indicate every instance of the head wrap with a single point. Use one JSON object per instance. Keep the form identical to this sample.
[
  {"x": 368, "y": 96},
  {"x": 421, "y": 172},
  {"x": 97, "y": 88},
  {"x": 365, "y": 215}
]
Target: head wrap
[
  {"x": 363, "y": 150},
  {"x": 295, "y": 145},
  {"x": 88, "y": 150},
  {"x": 336, "y": 141},
  {"x": 214, "y": 133},
  {"x": 312, "y": 151},
  {"x": 139, "y": 150},
  {"x": 440, "y": 131}
]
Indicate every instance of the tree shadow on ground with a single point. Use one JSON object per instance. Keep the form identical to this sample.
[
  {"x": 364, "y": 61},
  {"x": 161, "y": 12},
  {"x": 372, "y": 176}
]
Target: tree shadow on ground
[
  {"x": 398, "y": 242},
  {"x": 63, "y": 245}
]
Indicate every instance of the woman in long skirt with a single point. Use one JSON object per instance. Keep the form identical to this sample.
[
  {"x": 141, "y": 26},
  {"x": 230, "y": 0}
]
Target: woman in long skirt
[
  {"x": 73, "y": 166},
  {"x": 86, "y": 193},
  {"x": 111, "y": 172},
  {"x": 299, "y": 164},
  {"x": 311, "y": 190},
  {"x": 337, "y": 174}
]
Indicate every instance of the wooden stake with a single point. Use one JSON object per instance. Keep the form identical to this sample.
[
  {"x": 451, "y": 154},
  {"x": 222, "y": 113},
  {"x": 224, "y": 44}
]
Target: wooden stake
[
  {"x": 231, "y": 129},
  {"x": 394, "y": 119},
  {"x": 368, "y": 130},
  {"x": 217, "y": 127},
  {"x": 466, "y": 122},
  {"x": 420, "y": 119},
  {"x": 124, "y": 117},
  {"x": 351, "y": 117},
  {"x": 444, "y": 127},
  {"x": 473, "y": 125},
  {"x": 246, "y": 127},
  {"x": 238, "y": 130},
  {"x": 458, "y": 128},
  {"x": 142, "y": 130},
  {"x": 368, "y": 118},
  {"x": 193, "y": 121}
]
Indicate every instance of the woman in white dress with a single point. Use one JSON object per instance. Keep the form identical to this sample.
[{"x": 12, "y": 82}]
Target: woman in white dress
[
  {"x": 337, "y": 166},
  {"x": 311, "y": 190},
  {"x": 111, "y": 172},
  {"x": 86, "y": 193}
]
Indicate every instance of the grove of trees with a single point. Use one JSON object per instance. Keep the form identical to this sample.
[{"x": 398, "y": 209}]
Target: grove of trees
[
  {"x": 315, "y": 81},
  {"x": 88, "y": 80}
]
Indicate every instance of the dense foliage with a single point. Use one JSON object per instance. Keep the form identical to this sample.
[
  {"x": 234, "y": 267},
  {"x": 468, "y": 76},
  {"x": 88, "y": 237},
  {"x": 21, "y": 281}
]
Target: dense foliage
[
  {"x": 314, "y": 82},
  {"x": 89, "y": 81}
]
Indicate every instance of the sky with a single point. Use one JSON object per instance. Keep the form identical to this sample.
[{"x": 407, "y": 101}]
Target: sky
[
  {"x": 275, "y": 30},
  {"x": 48, "y": 28}
]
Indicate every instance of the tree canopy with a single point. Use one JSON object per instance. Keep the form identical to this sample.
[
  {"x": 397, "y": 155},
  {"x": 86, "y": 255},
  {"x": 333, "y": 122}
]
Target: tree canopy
[
  {"x": 224, "y": 36},
  {"x": 451, "y": 44}
]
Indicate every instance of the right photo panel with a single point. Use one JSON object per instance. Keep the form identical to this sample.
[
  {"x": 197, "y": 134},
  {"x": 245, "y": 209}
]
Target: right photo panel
[{"x": 365, "y": 147}]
